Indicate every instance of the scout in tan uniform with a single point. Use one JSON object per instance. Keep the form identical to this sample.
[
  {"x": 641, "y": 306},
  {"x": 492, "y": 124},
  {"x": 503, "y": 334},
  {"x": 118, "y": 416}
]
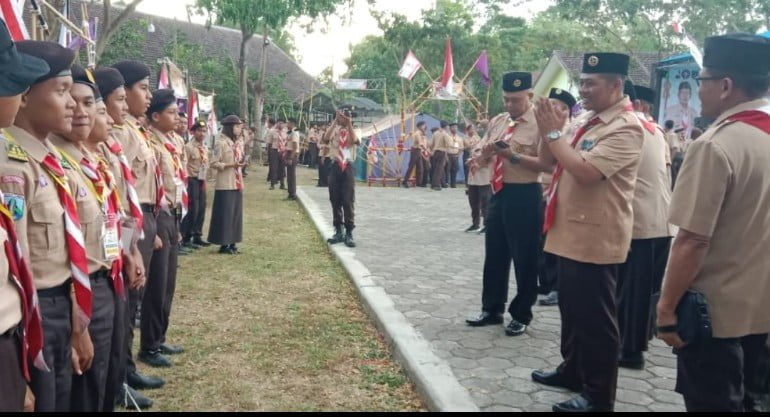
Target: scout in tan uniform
[
  {"x": 416, "y": 163},
  {"x": 277, "y": 140},
  {"x": 161, "y": 279},
  {"x": 514, "y": 218},
  {"x": 641, "y": 275},
  {"x": 226, "y": 228},
  {"x": 479, "y": 189},
  {"x": 438, "y": 148},
  {"x": 343, "y": 144},
  {"x": 455, "y": 146},
  {"x": 470, "y": 141},
  {"x": 181, "y": 127},
  {"x": 324, "y": 162},
  {"x": 589, "y": 222},
  {"x": 31, "y": 181},
  {"x": 312, "y": 146},
  {"x": 290, "y": 158},
  {"x": 722, "y": 208},
  {"x": 197, "y": 167},
  {"x": 134, "y": 141},
  {"x": 18, "y": 326}
]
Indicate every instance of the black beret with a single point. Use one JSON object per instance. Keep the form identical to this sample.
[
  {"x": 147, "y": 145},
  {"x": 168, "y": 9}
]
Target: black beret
[
  {"x": 84, "y": 76},
  {"x": 564, "y": 96},
  {"x": 645, "y": 94},
  {"x": 17, "y": 71},
  {"x": 108, "y": 79},
  {"x": 628, "y": 89},
  {"x": 517, "y": 81},
  {"x": 606, "y": 63},
  {"x": 58, "y": 58},
  {"x": 742, "y": 52},
  {"x": 132, "y": 71},
  {"x": 452, "y": 124},
  {"x": 231, "y": 120},
  {"x": 199, "y": 124},
  {"x": 161, "y": 99}
]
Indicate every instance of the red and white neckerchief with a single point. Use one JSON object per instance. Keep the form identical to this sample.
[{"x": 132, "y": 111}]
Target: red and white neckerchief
[
  {"x": 237, "y": 155},
  {"x": 21, "y": 275},
  {"x": 282, "y": 138},
  {"x": 759, "y": 118},
  {"x": 76, "y": 251},
  {"x": 181, "y": 173},
  {"x": 134, "y": 206},
  {"x": 497, "y": 173},
  {"x": 342, "y": 160},
  {"x": 202, "y": 151},
  {"x": 160, "y": 194},
  {"x": 104, "y": 186}
]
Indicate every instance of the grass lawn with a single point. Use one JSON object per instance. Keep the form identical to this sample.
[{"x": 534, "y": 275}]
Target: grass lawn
[{"x": 279, "y": 327}]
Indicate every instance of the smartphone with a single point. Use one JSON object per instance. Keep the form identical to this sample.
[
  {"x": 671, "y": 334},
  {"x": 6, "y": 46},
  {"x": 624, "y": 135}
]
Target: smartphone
[{"x": 502, "y": 145}]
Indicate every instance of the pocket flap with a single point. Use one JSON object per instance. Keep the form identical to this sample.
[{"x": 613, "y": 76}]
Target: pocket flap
[
  {"x": 47, "y": 212},
  {"x": 586, "y": 215}
]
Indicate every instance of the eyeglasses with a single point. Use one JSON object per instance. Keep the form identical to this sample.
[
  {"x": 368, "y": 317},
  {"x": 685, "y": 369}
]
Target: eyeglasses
[{"x": 699, "y": 79}]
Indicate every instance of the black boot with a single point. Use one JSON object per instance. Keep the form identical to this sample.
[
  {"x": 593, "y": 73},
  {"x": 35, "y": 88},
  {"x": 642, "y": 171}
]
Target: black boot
[
  {"x": 349, "y": 242},
  {"x": 337, "y": 238}
]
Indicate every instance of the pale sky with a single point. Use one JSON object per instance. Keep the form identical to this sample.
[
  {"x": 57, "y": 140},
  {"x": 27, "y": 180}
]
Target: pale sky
[{"x": 320, "y": 49}]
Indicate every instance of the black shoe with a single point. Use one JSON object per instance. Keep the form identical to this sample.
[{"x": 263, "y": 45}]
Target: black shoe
[
  {"x": 349, "y": 242},
  {"x": 283, "y": 187},
  {"x": 291, "y": 198},
  {"x": 472, "y": 229},
  {"x": 514, "y": 328},
  {"x": 555, "y": 379},
  {"x": 483, "y": 230},
  {"x": 435, "y": 188},
  {"x": 581, "y": 404},
  {"x": 338, "y": 237},
  {"x": 444, "y": 186},
  {"x": 226, "y": 250},
  {"x": 171, "y": 349},
  {"x": 452, "y": 186},
  {"x": 234, "y": 250},
  {"x": 551, "y": 300},
  {"x": 131, "y": 399},
  {"x": 200, "y": 242},
  {"x": 485, "y": 319},
  {"x": 272, "y": 187},
  {"x": 136, "y": 380},
  {"x": 154, "y": 359},
  {"x": 631, "y": 360}
]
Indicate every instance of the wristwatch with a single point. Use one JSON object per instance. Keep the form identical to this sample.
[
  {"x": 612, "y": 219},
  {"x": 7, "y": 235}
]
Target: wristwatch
[
  {"x": 514, "y": 159},
  {"x": 553, "y": 135}
]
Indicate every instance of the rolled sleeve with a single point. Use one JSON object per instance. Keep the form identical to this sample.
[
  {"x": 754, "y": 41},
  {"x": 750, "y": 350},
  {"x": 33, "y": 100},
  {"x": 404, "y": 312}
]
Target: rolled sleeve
[
  {"x": 701, "y": 187},
  {"x": 618, "y": 150}
]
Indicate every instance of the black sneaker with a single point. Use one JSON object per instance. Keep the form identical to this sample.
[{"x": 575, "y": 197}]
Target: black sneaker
[
  {"x": 154, "y": 358},
  {"x": 473, "y": 228},
  {"x": 171, "y": 349},
  {"x": 137, "y": 380},
  {"x": 514, "y": 328}
]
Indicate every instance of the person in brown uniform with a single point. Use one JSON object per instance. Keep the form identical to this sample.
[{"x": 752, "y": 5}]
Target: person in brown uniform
[
  {"x": 438, "y": 148},
  {"x": 454, "y": 148},
  {"x": 20, "y": 325},
  {"x": 35, "y": 175},
  {"x": 277, "y": 142},
  {"x": 721, "y": 204},
  {"x": 343, "y": 144},
  {"x": 226, "y": 228},
  {"x": 134, "y": 142},
  {"x": 416, "y": 163},
  {"x": 161, "y": 279},
  {"x": 511, "y": 149},
  {"x": 290, "y": 158},
  {"x": 589, "y": 222},
  {"x": 641, "y": 275},
  {"x": 470, "y": 141},
  {"x": 323, "y": 161},
  {"x": 479, "y": 190},
  {"x": 197, "y": 168},
  {"x": 312, "y": 146}
]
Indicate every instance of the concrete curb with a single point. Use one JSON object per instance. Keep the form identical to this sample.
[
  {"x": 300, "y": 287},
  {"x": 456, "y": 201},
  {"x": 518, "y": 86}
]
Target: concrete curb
[{"x": 431, "y": 375}]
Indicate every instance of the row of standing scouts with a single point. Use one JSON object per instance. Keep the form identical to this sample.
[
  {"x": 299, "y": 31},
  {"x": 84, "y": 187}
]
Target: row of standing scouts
[{"x": 99, "y": 192}]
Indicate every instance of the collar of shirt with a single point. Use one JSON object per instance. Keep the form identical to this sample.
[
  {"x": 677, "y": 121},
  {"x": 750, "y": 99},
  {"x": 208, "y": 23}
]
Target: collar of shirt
[
  {"x": 68, "y": 147},
  {"x": 33, "y": 146},
  {"x": 749, "y": 105},
  {"x": 611, "y": 113}
]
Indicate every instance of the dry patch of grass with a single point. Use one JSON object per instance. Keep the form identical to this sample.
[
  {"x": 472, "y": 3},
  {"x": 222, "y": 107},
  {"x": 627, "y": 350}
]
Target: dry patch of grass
[{"x": 279, "y": 327}]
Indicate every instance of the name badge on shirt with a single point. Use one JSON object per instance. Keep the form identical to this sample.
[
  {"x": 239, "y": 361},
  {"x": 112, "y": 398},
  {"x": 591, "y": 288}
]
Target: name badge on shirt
[
  {"x": 346, "y": 154},
  {"x": 202, "y": 173},
  {"x": 179, "y": 190},
  {"x": 111, "y": 238}
]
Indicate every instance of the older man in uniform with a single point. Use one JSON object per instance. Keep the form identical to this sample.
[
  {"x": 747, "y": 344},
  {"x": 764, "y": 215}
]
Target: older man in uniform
[
  {"x": 721, "y": 205},
  {"x": 39, "y": 190},
  {"x": 343, "y": 145},
  {"x": 438, "y": 149},
  {"x": 21, "y": 333},
  {"x": 197, "y": 166},
  {"x": 416, "y": 162},
  {"x": 589, "y": 221},
  {"x": 290, "y": 158},
  {"x": 511, "y": 149}
]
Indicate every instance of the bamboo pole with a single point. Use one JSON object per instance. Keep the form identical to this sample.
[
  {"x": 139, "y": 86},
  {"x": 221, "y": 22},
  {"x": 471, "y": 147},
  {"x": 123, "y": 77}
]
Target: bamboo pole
[
  {"x": 67, "y": 23},
  {"x": 486, "y": 108}
]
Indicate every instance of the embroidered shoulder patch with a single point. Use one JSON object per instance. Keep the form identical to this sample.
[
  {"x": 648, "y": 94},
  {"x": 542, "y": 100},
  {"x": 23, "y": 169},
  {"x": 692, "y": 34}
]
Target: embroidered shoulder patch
[
  {"x": 16, "y": 153},
  {"x": 587, "y": 145},
  {"x": 16, "y": 205}
]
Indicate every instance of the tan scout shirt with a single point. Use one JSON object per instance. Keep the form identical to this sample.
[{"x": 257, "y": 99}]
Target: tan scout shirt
[
  {"x": 470, "y": 142},
  {"x": 275, "y": 137},
  {"x": 141, "y": 157},
  {"x": 10, "y": 300},
  {"x": 594, "y": 222},
  {"x": 171, "y": 184},
  {"x": 222, "y": 161},
  {"x": 197, "y": 156},
  {"x": 652, "y": 194},
  {"x": 454, "y": 144},
  {"x": 90, "y": 210},
  {"x": 41, "y": 225},
  {"x": 334, "y": 143},
  {"x": 440, "y": 141},
  {"x": 480, "y": 174},
  {"x": 113, "y": 164},
  {"x": 525, "y": 141},
  {"x": 418, "y": 140},
  {"x": 323, "y": 150},
  {"x": 723, "y": 191},
  {"x": 292, "y": 144},
  {"x": 179, "y": 144}
]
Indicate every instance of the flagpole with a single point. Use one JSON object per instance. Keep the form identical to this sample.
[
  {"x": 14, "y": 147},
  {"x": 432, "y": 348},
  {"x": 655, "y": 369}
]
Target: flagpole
[
  {"x": 462, "y": 81},
  {"x": 486, "y": 108}
]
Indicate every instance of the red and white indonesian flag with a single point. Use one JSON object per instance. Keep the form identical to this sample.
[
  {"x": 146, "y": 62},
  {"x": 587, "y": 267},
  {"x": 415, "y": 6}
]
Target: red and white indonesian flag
[
  {"x": 689, "y": 42},
  {"x": 446, "y": 87},
  {"x": 193, "y": 112},
  {"x": 410, "y": 67},
  {"x": 163, "y": 83},
  {"x": 11, "y": 12}
]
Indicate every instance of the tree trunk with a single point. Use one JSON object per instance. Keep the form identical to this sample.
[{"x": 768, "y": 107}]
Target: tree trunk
[
  {"x": 109, "y": 26},
  {"x": 243, "y": 74},
  {"x": 259, "y": 88}
]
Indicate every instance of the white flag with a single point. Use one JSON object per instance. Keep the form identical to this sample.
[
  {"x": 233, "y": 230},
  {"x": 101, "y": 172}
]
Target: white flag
[{"x": 410, "y": 67}]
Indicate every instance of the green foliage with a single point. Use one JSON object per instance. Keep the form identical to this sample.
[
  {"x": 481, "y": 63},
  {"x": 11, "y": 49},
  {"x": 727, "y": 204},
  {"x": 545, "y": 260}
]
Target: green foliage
[{"x": 127, "y": 43}]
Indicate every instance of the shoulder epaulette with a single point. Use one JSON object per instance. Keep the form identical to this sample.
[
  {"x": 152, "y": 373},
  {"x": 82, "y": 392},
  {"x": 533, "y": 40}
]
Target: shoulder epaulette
[{"x": 16, "y": 152}]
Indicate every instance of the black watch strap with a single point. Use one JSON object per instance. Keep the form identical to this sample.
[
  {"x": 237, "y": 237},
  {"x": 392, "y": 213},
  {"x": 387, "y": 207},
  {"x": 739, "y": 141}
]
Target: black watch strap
[{"x": 667, "y": 329}]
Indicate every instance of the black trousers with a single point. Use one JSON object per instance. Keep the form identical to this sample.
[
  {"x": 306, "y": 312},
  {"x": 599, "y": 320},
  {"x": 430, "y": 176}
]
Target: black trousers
[
  {"x": 546, "y": 274},
  {"x": 312, "y": 149},
  {"x": 724, "y": 375},
  {"x": 171, "y": 285},
  {"x": 589, "y": 327},
  {"x": 146, "y": 247},
  {"x": 514, "y": 225},
  {"x": 342, "y": 193},
  {"x": 192, "y": 224},
  {"x": 478, "y": 197},
  {"x": 291, "y": 177},
  {"x": 452, "y": 168},
  {"x": 53, "y": 390},
  {"x": 676, "y": 164},
  {"x": 88, "y": 390},
  {"x": 323, "y": 171},
  {"x": 162, "y": 275},
  {"x": 640, "y": 277},
  {"x": 117, "y": 364},
  {"x": 277, "y": 167},
  {"x": 13, "y": 387},
  {"x": 426, "y": 173},
  {"x": 416, "y": 164},
  {"x": 439, "y": 162}
]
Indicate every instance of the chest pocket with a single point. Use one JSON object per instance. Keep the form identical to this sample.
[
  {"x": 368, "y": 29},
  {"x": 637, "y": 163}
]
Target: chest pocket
[
  {"x": 90, "y": 221},
  {"x": 46, "y": 226},
  {"x": 586, "y": 215}
]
